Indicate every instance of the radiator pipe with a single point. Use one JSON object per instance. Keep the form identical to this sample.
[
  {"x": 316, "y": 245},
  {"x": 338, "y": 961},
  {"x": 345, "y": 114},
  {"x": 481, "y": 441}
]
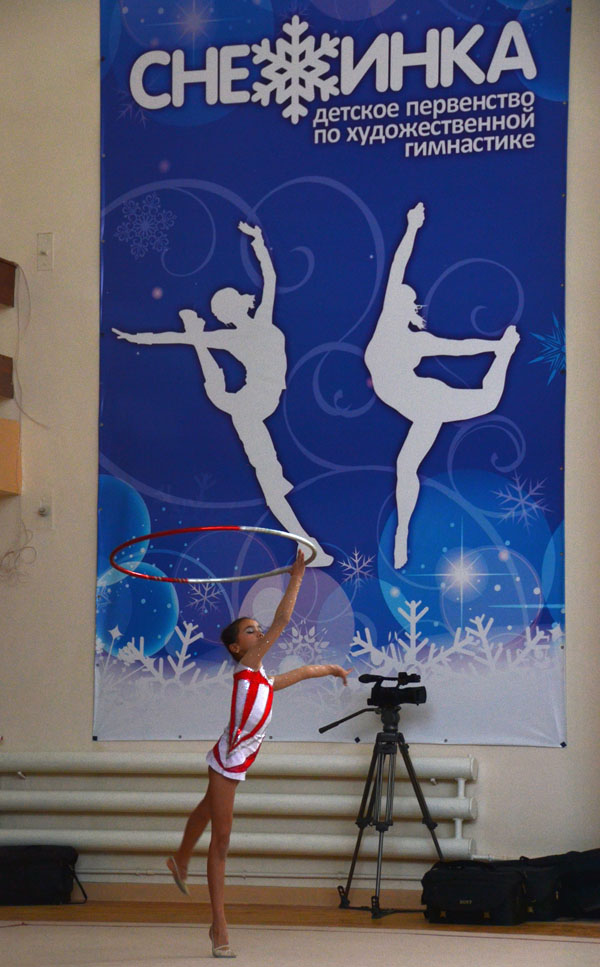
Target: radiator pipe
[
  {"x": 192, "y": 764},
  {"x": 242, "y": 844},
  {"x": 246, "y": 804}
]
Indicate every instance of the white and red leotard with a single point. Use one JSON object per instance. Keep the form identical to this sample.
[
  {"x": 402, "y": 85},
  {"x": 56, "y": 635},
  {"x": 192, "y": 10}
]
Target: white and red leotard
[{"x": 251, "y": 704}]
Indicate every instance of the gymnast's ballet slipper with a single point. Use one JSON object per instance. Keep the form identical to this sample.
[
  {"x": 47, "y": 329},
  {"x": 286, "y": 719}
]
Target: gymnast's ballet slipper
[
  {"x": 223, "y": 951},
  {"x": 179, "y": 879}
]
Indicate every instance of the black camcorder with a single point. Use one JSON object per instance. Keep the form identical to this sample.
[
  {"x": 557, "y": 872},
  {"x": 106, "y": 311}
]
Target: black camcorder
[
  {"x": 387, "y": 696},
  {"x": 386, "y": 700}
]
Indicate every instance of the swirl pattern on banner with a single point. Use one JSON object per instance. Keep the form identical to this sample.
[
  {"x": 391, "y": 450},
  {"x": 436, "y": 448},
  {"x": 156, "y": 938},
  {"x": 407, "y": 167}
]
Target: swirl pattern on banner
[{"x": 487, "y": 423}]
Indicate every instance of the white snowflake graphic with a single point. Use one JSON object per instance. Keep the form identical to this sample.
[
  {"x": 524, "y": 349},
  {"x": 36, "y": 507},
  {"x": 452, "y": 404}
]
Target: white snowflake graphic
[
  {"x": 553, "y": 349},
  {"x": 140, "y": 696},
  {"x": 522, "y": 501},
  {"x": 537, "y": 647},
  {"x": 145, "y": 225},
  {"x": 132, "y": 654},
  {"x": 304, "y": 643},
  {"x": 102, "y": 598},
  {"x": 473, "y": 646},
  {"x": 295, "y": 69},
  {"x": 134, "y": 688},
  {"x": 357, "y": 567},
  {"x": 130, "y": 110},
  {"x": 204, "y": 597}
]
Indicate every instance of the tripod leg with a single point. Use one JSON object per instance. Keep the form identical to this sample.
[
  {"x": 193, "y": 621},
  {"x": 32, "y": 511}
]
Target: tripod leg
[
  {"x": 363, "y": 820},
  {"x": 427, "y": 820},
  {"x": 384, "y": 824},
  {"x": 389, "y": 801},
  {"x": 375, "y": 909}
]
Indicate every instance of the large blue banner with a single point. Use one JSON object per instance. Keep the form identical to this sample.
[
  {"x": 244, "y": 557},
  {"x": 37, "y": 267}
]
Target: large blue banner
[{"x": 333, "y": 305}]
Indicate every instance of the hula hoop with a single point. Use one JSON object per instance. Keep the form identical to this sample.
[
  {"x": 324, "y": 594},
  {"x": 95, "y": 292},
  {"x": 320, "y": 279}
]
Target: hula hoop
[{"x": 196, "y": 530}]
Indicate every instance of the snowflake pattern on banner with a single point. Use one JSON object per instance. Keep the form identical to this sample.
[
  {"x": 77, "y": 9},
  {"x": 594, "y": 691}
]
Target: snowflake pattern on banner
[
  {"x": 358, "y": 568},
  {"x": 102, "y": 598},
  {"x": 132, "y": 664},
  {"x": 138, "y": 691},
  {"x": 474, "y": 647},
  {"x": 295, "y": 69},
  {"x": 145, "y": 225},
  {"x": 302, "y": 646},
  {"x": 205, "y": 597},
  {"x": 554, "y": 351},
  {"x": 130, "y": 109},
  {"x": 522, "y": 501}
]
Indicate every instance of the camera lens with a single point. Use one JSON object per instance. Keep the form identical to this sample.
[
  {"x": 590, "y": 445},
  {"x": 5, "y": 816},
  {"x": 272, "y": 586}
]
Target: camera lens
[{"x": 413, "y": 696}]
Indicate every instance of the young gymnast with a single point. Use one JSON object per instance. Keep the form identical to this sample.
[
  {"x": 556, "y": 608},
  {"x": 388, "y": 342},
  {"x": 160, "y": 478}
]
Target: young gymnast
[{"x": 238, "y": 747}]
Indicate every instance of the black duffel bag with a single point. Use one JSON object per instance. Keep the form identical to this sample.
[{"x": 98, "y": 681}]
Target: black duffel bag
[
  {"x": 474, "y": 892},
  {"x": 542, "y": 886},
  {"x": 577, "y": 877},
  {"x": 37, "y": 874}
]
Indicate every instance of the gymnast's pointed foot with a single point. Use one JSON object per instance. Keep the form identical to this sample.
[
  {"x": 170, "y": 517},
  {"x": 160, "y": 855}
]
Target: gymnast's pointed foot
[
  {"x": 179, "y": 874},
  {"x": 400, "y": 551},
  {"x": 511, "y": 339},
  {"x": 220, "y": 950},
  {"x": 322, "y": 559}
]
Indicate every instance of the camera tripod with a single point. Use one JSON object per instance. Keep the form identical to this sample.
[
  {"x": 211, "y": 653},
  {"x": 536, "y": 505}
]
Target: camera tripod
[{"x": 370, "y": 812}]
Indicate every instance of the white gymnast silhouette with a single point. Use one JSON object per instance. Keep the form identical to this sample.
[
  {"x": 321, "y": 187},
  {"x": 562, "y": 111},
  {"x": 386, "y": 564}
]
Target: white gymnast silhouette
[
  {"x": 259, "y": 346},
  {"x": 398, "y": 345}
]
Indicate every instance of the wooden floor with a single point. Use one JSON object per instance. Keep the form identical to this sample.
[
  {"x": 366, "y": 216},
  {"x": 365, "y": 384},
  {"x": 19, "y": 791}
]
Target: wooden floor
[{"x": 98, "y": 911}]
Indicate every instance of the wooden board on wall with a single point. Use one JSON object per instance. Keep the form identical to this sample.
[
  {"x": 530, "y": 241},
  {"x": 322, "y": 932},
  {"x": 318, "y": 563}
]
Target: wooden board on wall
[
  {"x": 8, "y": 272},
  {"x": 7, "y": 389},
  {"x": 10, "y": 457}
]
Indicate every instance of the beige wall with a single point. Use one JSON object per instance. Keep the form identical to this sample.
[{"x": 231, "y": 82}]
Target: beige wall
[{"x": 531, "y": 800}]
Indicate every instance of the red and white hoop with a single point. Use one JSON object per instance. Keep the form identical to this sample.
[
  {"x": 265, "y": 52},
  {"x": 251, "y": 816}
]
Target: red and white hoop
[{"x": 197, "y": 530}]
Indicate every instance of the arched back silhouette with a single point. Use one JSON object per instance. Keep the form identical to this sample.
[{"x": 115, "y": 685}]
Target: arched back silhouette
[{"x": 397, "y": 346}]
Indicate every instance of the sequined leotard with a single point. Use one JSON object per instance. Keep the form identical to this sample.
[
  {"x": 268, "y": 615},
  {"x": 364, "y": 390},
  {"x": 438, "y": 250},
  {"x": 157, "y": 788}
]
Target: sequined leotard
[{"x": 251, "y": 703}]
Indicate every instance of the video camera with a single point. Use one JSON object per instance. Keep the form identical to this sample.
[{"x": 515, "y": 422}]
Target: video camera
[{"x": 391, "y": 697}]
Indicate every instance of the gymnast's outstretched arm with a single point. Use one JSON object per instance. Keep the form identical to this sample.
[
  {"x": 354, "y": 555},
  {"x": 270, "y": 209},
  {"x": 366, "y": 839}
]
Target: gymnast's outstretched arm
[
  {"x": 264, "y": 313},
  {"x": 254, "y": 656},
  {"x": 285, "y": 679},
  {"x": 150, "y": 338},
  {"x": 415, "y": 219}
]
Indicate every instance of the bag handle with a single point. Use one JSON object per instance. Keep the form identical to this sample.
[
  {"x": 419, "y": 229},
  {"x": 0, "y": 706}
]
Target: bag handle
[{"x": 80, "y": 885}]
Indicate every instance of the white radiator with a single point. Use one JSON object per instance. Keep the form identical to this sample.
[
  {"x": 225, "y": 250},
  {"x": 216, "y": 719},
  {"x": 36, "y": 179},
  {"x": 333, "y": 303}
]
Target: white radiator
[{"x": 295, "y": 815}]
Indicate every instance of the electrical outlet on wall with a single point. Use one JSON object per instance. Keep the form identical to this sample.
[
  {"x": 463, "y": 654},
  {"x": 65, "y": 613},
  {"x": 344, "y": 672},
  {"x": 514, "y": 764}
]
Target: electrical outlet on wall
[{"x": 45, "y": 251}]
